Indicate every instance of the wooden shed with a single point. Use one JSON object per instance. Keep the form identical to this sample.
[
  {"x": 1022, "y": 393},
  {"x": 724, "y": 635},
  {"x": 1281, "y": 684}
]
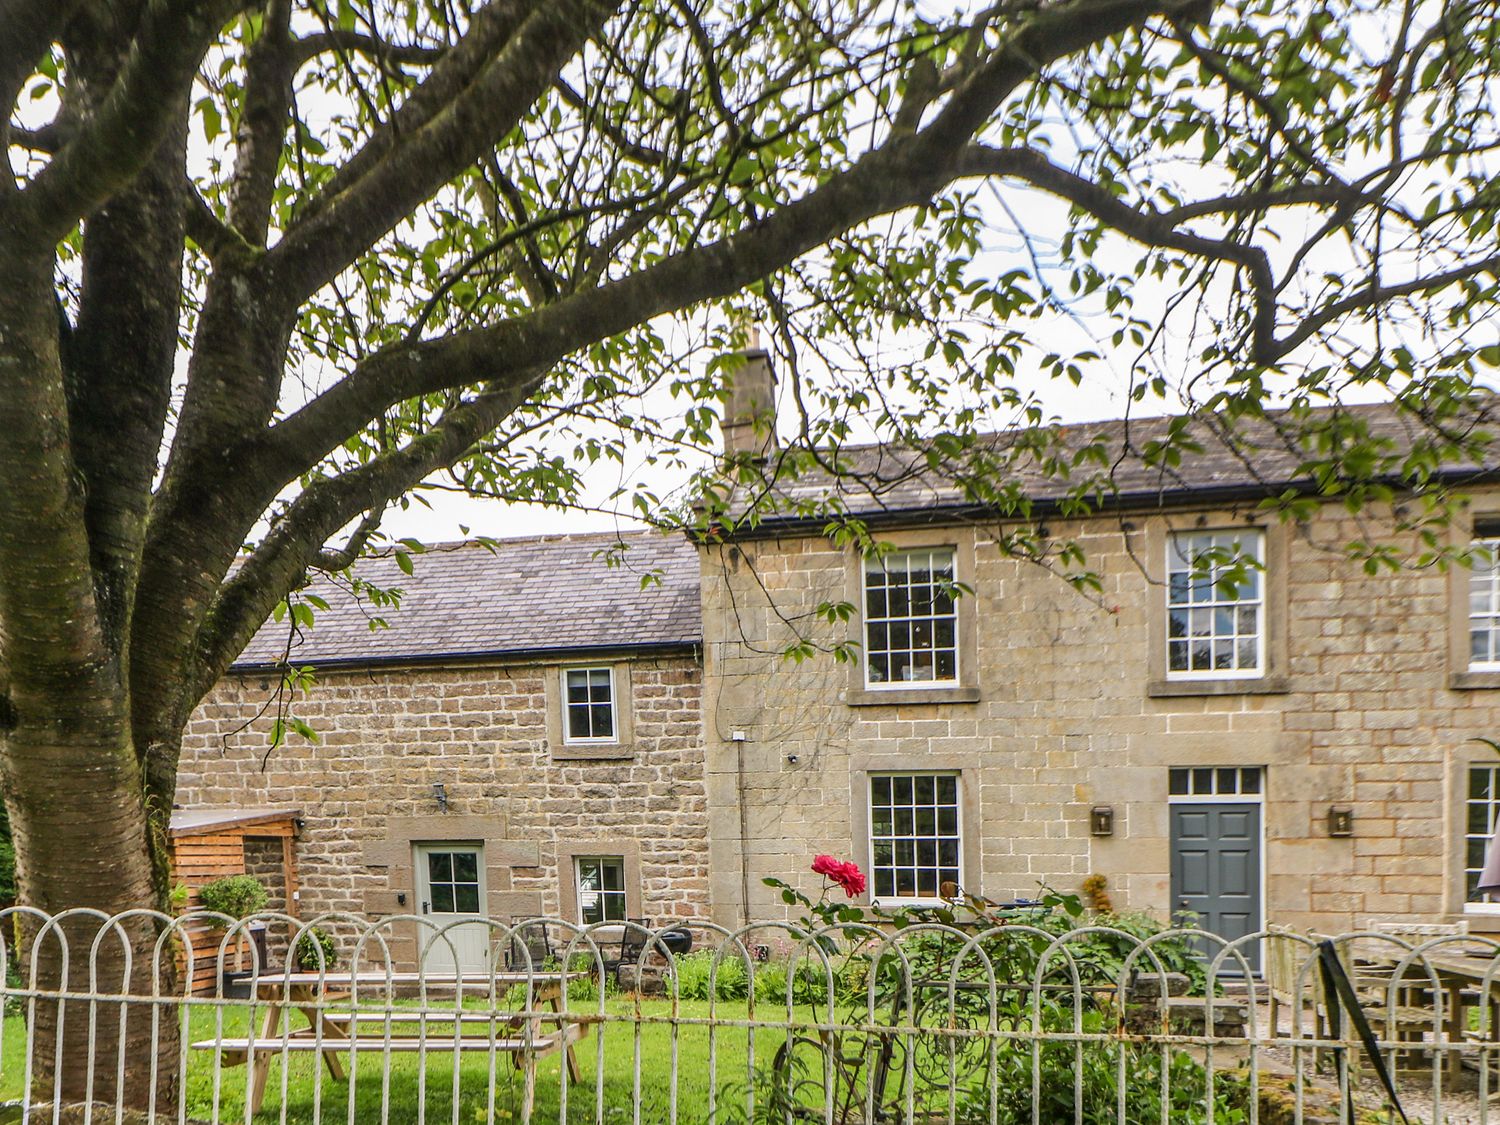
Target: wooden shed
[{"x": 210, "y": 843}]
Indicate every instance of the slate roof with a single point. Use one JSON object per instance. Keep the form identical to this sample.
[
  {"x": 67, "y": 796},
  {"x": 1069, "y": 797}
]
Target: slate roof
[
  {"x": 551, "y": 594},
  {"x": 1255, "y": 458}
]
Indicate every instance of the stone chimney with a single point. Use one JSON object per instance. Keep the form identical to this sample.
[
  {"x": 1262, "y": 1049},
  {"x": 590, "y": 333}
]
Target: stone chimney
[{"x": 749, "y": 425}]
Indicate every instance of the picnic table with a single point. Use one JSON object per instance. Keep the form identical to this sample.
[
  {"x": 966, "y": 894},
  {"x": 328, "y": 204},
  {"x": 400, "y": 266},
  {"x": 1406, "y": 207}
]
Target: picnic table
[
  {"x": 1460, "y": 972},
  {"x": 332, "y": 1031}
]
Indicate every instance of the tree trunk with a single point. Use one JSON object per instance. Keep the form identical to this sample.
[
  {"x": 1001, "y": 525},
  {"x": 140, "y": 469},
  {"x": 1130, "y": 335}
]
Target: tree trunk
[
  {"x": 71, "y": 778},
  {"x": 83, "y": 841}
]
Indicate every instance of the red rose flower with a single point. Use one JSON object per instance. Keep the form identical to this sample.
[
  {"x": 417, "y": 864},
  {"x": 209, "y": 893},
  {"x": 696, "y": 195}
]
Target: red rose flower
[{"x": 847, "y": 875}]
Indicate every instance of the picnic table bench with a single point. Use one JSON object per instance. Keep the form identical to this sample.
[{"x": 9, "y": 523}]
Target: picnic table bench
[{"x": 332, "y": 1031}]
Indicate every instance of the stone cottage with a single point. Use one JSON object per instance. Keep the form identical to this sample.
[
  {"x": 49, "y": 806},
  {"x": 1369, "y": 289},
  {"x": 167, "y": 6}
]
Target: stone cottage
[
  {"x": 1292, "y": 743},
  {"x": 522, "y": 735},
  {"x": 1274, "y": 735}
]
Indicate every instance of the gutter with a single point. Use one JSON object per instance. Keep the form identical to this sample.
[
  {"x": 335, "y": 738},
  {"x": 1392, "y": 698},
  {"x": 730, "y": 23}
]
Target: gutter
[{"x": 471, "y": 656}]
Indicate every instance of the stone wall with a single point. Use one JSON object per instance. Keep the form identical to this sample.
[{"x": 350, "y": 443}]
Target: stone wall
[
  {"x": 1068, "y": 713},
  {"x": 387, "y": 735}
]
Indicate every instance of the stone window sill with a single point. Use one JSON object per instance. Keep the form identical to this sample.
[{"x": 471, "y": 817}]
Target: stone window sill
[
  {"x": 592, "y": 751},
  {"x": 1263, "y": 685},
  {"x": 1473, "y": 681},
  {"x": 893, "y": 697}
]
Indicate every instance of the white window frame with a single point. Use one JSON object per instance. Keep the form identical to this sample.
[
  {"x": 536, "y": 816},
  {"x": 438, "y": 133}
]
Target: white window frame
[
  {"x": 602, "y": 892},
  {"x": 567, "y": 707},
  {"x": 1244, "y": 537},
  {"x": 880, "y": 564},
  {"x": 1485, "y": 581},
  {"x": 1479, "y": 906},
  {"x": 895, "y": 899},
  {"x": 1220, "y": 790}
]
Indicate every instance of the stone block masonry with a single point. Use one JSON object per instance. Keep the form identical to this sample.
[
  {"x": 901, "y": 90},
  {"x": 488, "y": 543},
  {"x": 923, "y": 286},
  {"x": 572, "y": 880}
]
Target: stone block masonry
[
  {"x": 387, "y": 735},
  {"x": 1066, "y": 711}
]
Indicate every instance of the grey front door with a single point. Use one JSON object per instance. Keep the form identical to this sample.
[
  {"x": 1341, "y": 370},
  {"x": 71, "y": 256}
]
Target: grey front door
[{"x": 1216, "y": 869}]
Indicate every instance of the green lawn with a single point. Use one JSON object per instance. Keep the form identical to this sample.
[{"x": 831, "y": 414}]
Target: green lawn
[{"x": 306, "y": 1082}]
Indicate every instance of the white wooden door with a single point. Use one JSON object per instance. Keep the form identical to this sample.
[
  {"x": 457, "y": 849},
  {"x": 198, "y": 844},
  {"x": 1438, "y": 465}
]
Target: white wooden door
[{"x": 450, "y": 896}]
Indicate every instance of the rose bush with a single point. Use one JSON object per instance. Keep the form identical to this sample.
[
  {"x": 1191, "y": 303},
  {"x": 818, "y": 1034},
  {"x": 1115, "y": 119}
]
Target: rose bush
[{"x": 847, "y": 875}]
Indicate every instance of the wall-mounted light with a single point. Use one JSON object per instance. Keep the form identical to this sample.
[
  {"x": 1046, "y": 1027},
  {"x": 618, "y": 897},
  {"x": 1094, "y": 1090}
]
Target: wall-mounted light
[
  {"x": 1340, "y": 820},
  {"x": 440, "y": 795},
  {"x": 1102, "y": 820}
]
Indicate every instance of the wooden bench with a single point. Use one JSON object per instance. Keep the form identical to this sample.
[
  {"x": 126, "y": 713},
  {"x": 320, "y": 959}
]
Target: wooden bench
[
  {"x": 305, "y": 1040},
  {"x": 328, "y": 1030}
]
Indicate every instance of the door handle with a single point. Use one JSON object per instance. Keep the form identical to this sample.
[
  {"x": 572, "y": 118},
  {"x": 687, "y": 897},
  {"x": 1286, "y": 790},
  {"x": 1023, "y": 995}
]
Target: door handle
[
  {"x": 426, "y": 907},
  {"x": 1180, "y": 902}
]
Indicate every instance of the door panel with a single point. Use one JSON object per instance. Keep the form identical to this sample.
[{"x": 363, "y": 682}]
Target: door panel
[
  {"x": 1216, "y": 869},
  {"x": 450, "y": 889}
]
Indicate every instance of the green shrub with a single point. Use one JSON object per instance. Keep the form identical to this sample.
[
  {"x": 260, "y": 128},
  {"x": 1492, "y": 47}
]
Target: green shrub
[
  {"x": 238, "y": 896},
  {"x": 770, "y": 982},
  {"x": 308, "y": 946},
  {"x": 729, "y": 979}
]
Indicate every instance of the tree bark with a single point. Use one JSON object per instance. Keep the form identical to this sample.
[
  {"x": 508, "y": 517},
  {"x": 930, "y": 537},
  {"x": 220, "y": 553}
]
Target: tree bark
[{"x": 69, "y": 770}]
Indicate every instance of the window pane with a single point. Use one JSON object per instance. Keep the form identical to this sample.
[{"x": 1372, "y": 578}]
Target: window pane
[
  {"x": 439, "y": 866},
  {"x": 442, "y": 898},
  {"x": 1224, "y": 621},
  {"x": 614, "y": 875},
  {"x": 578, "y": 722},
  {"x": 466, "y": 867},
  {"x": 914, "y": 844},
  {"x": 614, "y": 908},
  {"x": 603, "y": 720},
  {"x": 1250, "y": 781},
  {"x": 467, "y": 898},
  {"x": 910, "y": 621},
  {"x": 1177, "y": 782}
]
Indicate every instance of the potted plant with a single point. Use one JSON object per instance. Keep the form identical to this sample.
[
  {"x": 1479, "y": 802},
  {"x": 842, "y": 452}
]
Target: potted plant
[
  {"x": 316, "y": 950},
  {"x": 239, "y": 897}
]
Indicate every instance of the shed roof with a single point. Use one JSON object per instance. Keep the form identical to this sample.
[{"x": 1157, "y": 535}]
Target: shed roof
[
  {"x": 199, "y": 821},
  {"x": 551, "y": 594}
]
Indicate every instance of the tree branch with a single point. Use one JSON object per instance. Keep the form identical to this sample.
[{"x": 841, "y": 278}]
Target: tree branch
[
  {"x": 1147, "y": 227},
  {"x": 309, "y": 47},
  {"x": 296, "y": 540},
  {"x": 114, "y": 142},
  {"x": 27, "y": 29},
  {"x": 333, "y": 560},
  {"x": 472, "y": 97},
  {"x": 261, "y": 135}
]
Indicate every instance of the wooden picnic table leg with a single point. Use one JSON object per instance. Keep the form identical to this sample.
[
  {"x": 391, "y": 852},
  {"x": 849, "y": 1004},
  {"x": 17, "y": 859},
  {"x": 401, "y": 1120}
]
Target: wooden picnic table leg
[
  {"x": 1454, "y": 1031},
  {"x": 572, "y": 1071},
  {"x": 316, "y": 1017},
  {"x": 260, "y": 1061},
  {"x": 331, "y": 1030}
]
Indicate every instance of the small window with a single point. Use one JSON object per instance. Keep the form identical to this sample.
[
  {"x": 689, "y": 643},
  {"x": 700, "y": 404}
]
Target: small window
[
  {"x": 914, "y": 835},
  {"x": 1214, "y": 781},
  {"x": 1215, "y": 605},
  {"x": 601, "y": 888},
  {"x": 1481, "y": 809},
  {"x": 1484, "y": 602},
  {"x": 589, "y": 704},
  {"x": 911, "y": 622},
  {"x": 453, "y": 881}
]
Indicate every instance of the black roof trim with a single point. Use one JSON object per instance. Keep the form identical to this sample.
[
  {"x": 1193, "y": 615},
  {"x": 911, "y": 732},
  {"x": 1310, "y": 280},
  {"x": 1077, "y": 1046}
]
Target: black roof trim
[
  {"x": 497, "y": 656},
  {"x": 1144, "y": 502}
]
